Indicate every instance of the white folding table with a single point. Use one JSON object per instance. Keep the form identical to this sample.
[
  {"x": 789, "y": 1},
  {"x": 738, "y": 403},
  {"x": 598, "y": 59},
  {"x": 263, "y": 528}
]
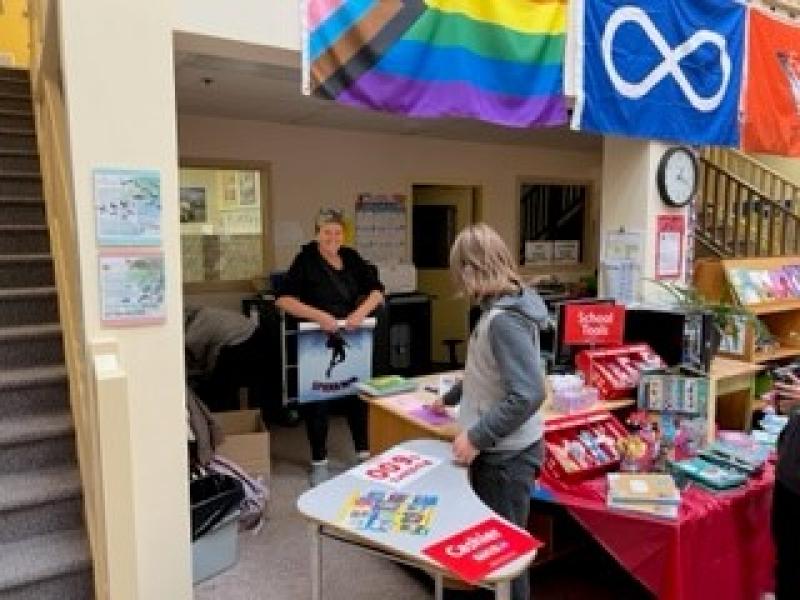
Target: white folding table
[{"x": 457, "y": 509}]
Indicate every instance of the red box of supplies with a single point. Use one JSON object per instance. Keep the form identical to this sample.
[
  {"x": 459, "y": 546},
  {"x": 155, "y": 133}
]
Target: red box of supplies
[{"x": 615, "y": 371}]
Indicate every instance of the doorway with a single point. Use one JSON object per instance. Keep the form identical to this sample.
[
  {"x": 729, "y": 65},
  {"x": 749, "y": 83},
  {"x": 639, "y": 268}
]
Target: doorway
[{"x": 439, "y": 213}]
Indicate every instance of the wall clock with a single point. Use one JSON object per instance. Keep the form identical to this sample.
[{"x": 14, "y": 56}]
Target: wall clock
[{"x": 677, "y": 176}]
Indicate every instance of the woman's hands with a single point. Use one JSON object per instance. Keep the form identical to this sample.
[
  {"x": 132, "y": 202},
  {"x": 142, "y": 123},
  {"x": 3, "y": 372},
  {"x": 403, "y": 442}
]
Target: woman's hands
[
  {"x": 354, "y": 320},
  {"x": 463, "y": 450},
  {"x": 327, "y": 322}
]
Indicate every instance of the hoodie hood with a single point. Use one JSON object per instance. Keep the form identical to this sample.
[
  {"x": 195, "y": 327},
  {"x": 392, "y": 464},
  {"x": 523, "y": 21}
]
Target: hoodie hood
[{"x": 529, "y": 304}]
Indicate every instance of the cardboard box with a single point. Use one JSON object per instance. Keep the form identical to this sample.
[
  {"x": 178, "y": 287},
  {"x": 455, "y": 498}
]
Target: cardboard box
[{"x": 246, "y": 441}]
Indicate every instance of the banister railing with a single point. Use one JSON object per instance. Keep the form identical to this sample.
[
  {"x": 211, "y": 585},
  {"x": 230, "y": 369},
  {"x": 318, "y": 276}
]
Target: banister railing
[
  {"x": 766, "y": 180},
  {"x": 735, "y": 218}
]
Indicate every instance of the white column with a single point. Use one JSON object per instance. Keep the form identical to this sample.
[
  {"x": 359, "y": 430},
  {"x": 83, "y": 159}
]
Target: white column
[
  {"x": 630, "y": 200},
  {"x": 117, "y": 64}
]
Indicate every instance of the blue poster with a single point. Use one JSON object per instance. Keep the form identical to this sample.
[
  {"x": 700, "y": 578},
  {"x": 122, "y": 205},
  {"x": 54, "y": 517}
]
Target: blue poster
[
  {"x": 329, "y": 365},
  {"x": 661, "y": 69}
]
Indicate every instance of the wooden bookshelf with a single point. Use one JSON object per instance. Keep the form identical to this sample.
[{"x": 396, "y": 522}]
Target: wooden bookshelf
[{"x": 781, "y": 317}]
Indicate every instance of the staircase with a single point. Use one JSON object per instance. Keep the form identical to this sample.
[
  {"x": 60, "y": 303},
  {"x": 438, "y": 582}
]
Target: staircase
[
  {"x": 44, "y": 553},
  {"x": 744, "y": 208}
]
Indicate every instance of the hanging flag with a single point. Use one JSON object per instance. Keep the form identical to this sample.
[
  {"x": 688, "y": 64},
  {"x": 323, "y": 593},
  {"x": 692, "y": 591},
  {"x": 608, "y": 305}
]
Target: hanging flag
[
  {"x": 772, "y": 92},
  {"x": 500, "y": 62},
  {"x": 660, "y": 69}
]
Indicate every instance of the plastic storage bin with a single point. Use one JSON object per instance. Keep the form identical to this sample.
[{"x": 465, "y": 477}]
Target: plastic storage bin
[{"x": 217, "y": 550}]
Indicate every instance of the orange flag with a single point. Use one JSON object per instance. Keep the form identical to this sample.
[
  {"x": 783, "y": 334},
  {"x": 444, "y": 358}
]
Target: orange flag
[{"x": 771, "y": 122}]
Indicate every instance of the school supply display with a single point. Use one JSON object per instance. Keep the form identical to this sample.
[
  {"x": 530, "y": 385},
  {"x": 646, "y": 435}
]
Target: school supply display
[
  {"x": 753, "y": 286},
  {"x": 570, "y": 394},
  {"x": 748, "y": 459},
  {"x": 615, "y": 372},
  {"x": 654, "y": 494},
  {"x": 386, "y": 385},
  {"x": 580, "y": 447},
  {"x": 707, "y": 474},
  {"x": 389, "y": 512}
]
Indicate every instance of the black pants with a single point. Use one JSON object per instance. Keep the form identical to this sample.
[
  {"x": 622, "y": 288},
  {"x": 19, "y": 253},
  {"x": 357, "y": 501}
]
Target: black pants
[
  {"x": 249, "y": 365},
  {"x": 503, "y": 484},
  {"x": 317, "y": 417},
  {"x": 786, "y": 534}
]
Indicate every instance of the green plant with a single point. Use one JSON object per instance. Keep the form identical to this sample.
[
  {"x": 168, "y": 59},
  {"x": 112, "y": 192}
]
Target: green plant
[{"x": 726, "y": 316}]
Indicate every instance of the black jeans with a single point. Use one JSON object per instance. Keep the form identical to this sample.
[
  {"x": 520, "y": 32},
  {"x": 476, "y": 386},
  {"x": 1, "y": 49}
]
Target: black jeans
[
  {"x": 503, "y": 483},
  {"x": 317, "y": 417},
  {"x": 786, "y": 534}
]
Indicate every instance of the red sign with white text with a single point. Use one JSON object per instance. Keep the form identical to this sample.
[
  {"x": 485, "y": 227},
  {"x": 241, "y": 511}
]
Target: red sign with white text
[
  {"x": 475, "y": 552},
  {"x": 590, "y": 324}
]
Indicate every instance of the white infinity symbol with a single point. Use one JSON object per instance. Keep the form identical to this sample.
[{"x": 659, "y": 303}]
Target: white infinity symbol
[{"x": 672, "y": 58}]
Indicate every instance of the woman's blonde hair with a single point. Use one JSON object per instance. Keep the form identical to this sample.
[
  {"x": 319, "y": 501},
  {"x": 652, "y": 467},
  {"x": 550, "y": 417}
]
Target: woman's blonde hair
[
  {"x": 481, "y": 264},
  {"x": 328, "y": 215}
]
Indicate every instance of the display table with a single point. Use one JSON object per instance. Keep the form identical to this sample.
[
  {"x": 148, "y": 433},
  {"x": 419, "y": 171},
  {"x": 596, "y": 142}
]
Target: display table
[
  {"x": 458, "y": 508},
  {"x": 719, "y": 547},
  {"x": 390, "y": 422},
  {"x": 734, "y": 386}
]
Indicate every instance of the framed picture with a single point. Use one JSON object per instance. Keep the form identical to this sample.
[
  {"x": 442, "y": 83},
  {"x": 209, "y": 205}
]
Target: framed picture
[
  {"x": 193, "y": 205},
  {"x": 247, "y": 188}
]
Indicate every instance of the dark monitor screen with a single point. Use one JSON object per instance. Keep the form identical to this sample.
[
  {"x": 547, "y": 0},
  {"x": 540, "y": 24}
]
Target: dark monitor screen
[{"x": 564, "y": 354}]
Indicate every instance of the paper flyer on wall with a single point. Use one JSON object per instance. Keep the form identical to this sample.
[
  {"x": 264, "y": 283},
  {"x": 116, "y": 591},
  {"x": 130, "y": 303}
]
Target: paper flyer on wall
[
  {"x": 132, "y": 287},
  {"x": 384, "y": 511},
  {"x": 127, "y": 207},
  {"x": 329, "y": 365}
]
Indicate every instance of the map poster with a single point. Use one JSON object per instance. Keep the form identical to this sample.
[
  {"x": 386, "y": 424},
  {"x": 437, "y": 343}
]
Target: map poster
[
  {"x": 132, "y": 287},
  {"x": 127, "y": 207}
]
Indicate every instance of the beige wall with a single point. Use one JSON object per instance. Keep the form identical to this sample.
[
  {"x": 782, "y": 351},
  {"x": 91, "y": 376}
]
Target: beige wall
[
  {"x": 119, "y": 90},
  {"x": 788, "y": 167},
  {"x": 313, "y": 167}
]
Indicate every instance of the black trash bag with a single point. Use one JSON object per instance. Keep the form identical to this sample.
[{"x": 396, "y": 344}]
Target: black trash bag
[{"x": 213, "y": 497}]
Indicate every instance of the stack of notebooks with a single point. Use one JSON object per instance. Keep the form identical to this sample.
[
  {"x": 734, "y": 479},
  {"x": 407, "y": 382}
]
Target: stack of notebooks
[
  {"x": 747, "y": 459},
  {"x": 710, "y": 475},
  {"x": 653, "y": 494},
  {"x": 386, "y": 385}
]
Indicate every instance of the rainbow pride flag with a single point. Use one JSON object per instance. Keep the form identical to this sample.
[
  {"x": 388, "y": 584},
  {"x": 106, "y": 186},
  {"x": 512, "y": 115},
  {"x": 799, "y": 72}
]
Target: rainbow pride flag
[{"x": 499, "y": 61}]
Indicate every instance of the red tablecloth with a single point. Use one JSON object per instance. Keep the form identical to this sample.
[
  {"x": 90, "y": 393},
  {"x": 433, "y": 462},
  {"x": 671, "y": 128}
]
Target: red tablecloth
[{"x": 720, "y": 547}]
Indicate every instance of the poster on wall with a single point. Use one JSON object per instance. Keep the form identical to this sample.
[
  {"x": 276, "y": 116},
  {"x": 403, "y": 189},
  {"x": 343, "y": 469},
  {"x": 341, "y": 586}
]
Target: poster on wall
[
  {"x": 538, "y": 253},
  {"x": 132, "y": 287},
  {"x": 127, "y": 207},
  {"x": 381, "y": 228},
  {"x": 670, "y": 230},
  {"x": 566, "y": 252},
  {"x": 329, "y": 365}
]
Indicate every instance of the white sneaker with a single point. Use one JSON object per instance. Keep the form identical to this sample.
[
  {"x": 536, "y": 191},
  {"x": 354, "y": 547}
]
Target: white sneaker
[{"x": 319, "y": 473}]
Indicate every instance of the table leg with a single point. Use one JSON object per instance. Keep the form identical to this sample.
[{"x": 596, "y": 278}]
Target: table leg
[
  {"x": 438, "y": 586},
  {"x": 502, "y": 590},
  {"x": 316, "y": 561}
]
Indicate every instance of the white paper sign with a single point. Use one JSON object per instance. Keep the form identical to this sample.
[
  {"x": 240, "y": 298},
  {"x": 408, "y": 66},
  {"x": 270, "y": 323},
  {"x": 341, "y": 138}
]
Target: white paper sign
[
  {"x": 538, "y": 253},
  {"x": 566, "y": 252},
  {"x": 396, "y": 468}
]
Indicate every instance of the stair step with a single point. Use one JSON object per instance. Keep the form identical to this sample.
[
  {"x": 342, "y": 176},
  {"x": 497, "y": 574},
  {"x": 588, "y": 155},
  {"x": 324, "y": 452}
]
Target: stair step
[
  {"x": 13, "y": 85},
  {"x": 31, "y": 345},
  {"x": 35, "y": 503},
  {"x": 41, "y": 559},
  {"x": 15, "y": 73},
  {"x": 14, "y": 138},
  {"x": 19, "y": 159},
  {"x": 24, "y": 239},
  {"x": 21, "y": 209},
  {"x": 26, "y": 270},
  {"x": 36, "y": 442},
  {"x": 15, "y": 101},
  {"x": 15, "y": 183},
  {"x": 16, "y": 118},
  {"x": 39, "y": 390},
  {"x": 26, "y": 306}
]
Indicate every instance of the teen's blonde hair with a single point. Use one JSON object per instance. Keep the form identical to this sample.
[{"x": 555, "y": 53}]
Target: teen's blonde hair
[
  {"x": 328, "y": 215},
  {"x": 481, "y": 264}
]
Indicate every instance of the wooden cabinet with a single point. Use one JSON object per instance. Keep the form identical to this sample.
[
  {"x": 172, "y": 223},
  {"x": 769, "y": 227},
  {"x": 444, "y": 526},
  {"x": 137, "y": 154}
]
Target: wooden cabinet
[{"x": 781, "y": 316}]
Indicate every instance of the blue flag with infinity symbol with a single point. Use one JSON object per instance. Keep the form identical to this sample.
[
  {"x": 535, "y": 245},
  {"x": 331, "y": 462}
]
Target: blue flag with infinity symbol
[{"x": 660, "y": 69}]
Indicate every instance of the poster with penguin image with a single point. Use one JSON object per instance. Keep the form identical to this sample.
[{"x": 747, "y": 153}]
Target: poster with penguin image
[{"x": 329, "y": 365}]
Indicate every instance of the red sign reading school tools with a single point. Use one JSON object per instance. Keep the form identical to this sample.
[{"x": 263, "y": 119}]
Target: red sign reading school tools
[
  {"x": 601, "y": 324},
  {"x": 475, "y": 552}
]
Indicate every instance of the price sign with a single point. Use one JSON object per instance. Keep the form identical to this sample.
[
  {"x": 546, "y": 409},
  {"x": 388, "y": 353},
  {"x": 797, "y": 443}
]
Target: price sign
[{"x": 396, "y": 468}]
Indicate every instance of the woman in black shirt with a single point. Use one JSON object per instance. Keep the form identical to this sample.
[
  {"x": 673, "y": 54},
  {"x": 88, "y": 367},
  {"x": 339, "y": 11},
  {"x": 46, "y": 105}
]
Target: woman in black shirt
[{"x": 328, "y": 282}]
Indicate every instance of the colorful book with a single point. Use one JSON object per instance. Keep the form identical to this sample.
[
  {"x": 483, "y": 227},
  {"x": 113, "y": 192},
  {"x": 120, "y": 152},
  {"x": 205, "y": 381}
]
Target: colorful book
[
  {"x": 389, "y": 512},
  {"x": 747, "y": 288},
  {"x": 386, "y": 385},
  {"x": 653, "y": 509},
  {"x": 644, "y": 488},
  {"x": 708, "y": 474}
]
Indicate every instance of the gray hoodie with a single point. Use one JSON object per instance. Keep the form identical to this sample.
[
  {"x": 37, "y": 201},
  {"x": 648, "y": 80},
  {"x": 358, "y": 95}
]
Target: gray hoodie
[{"x": 503, "y": 386}]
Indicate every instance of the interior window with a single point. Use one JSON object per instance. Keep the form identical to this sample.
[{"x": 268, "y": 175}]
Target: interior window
[
  {"x": 552, "y": 212},
  {"x": 222, "y": 220}
]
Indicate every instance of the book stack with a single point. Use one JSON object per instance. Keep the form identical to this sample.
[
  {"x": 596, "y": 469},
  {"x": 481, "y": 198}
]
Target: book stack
[
  {"x": 764, "y": 285},
  {"x": 653, "y": 494},
  {"x": 386, "y": 385},
  {"x": 710, "y": 475}
]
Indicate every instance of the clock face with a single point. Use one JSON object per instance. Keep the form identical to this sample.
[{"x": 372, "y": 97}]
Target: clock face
[{"x": 677, "y": 176}]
